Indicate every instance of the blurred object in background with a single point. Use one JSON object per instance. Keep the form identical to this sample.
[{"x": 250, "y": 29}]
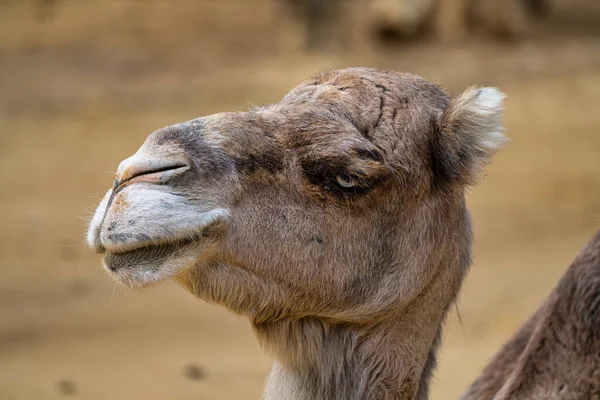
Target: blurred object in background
[
  {"x": 323, "y": 25},
  {"x": 453, "y": 20},
  {"x": 329, "y": 25},
  {"x": 45, "y": 9},
  {"x": 312, "y": 24},
  {"x": 508, "y": 19},
  {"x": 404, "y": 18}
]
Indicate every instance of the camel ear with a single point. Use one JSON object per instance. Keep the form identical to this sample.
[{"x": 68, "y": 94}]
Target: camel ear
[{"x": 468, "y": 135}]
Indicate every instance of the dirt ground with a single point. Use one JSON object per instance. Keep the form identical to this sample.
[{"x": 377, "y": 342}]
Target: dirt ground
[{"x": 81, "y": 86}]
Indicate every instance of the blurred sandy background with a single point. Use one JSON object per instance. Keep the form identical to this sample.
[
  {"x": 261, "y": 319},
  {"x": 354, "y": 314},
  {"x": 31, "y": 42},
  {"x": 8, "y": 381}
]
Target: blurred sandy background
[{"x": 82, "y": 83}]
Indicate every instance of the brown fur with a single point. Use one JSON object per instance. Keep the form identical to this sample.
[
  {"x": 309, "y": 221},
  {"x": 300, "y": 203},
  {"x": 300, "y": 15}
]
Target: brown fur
[
  {"x": 556, "y": 355},
  {"x": 346, "y": 287}
]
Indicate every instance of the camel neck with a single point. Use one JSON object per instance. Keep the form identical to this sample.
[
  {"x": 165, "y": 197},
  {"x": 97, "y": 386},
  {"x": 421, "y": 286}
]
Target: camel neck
[{"x": 316, "y": 360}]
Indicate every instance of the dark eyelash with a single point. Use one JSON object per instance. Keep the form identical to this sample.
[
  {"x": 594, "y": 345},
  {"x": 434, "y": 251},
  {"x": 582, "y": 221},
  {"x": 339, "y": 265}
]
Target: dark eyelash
[{"x": 337, "y": 189}]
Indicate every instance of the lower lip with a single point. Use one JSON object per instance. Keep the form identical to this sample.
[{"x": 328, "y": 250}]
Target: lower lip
[{"x": 144, "y": 257}]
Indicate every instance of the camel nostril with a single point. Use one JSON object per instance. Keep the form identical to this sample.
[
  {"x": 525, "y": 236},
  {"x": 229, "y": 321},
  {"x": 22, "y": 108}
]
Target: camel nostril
[
  {"x": 152, "y": 175},
  {"x": 160, "y": 169}
]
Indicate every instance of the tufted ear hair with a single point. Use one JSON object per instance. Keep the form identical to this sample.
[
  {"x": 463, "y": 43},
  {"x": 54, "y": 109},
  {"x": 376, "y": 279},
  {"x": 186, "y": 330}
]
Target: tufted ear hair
[{"x": 467, "y": 136}]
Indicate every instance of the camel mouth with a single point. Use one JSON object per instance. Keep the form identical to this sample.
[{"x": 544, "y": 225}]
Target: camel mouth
[
  {"x": 116, "y": 260},
  {"x": 148, "y": 242}
]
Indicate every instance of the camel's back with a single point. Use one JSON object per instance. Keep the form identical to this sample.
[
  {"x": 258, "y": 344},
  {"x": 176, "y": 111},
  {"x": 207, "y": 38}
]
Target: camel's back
[{"x": 556, "y": 354}]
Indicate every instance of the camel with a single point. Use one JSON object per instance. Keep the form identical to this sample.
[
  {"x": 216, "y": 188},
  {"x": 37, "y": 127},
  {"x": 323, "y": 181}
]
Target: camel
[
  {"x": 335, "y": 220},
  {"x": 323, "y": 25}
]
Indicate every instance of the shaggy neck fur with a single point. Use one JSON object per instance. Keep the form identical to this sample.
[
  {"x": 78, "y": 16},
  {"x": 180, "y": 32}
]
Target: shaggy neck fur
[{"x": 389, "y": 359}]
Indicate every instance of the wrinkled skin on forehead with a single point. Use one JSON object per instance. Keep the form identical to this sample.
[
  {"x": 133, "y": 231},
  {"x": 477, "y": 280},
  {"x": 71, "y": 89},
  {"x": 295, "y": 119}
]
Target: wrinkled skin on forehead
[{"x": 335, "y": 202}]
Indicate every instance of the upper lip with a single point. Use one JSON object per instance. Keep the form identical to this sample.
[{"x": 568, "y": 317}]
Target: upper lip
[{"x": 137, "y": 175}]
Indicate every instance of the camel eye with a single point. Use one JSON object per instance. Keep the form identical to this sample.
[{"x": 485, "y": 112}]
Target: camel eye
[{"x": 345, "y": 181}]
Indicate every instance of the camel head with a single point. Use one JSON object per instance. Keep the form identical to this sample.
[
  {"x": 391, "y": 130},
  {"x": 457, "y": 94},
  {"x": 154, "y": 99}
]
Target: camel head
[{"x": 344, "y": 201}]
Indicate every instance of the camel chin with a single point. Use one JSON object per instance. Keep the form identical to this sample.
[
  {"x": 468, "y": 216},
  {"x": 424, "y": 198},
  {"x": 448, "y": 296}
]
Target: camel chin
[{"x": 153, "y": 264}]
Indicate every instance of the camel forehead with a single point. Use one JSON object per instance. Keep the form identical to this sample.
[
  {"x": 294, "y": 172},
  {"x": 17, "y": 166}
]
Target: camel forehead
[
  {"x": 386, "y": 108},
  {"x": 360, "y": 85}
]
